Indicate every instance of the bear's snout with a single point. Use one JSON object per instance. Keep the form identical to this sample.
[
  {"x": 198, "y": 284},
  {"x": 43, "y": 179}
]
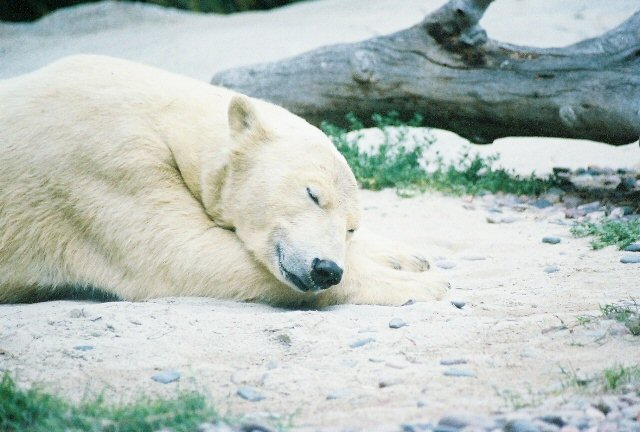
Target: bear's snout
[{"x": 325, "y": 273}]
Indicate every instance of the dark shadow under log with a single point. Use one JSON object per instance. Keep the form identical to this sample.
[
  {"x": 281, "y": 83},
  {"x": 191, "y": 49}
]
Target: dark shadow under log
[{"x": 446, "y": 69}]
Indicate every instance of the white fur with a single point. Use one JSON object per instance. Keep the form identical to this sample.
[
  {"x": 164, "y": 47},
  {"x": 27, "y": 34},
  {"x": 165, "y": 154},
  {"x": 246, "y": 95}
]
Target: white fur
[{"x": 146, "y": 184}]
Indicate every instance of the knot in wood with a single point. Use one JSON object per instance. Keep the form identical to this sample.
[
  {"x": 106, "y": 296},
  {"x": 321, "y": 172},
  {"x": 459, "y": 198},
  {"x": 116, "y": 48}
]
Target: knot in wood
[{"x": 362, "y": 67}]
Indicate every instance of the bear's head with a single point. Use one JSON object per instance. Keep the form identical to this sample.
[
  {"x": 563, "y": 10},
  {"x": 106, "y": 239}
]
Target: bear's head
[{"x": 288, "y": 194}]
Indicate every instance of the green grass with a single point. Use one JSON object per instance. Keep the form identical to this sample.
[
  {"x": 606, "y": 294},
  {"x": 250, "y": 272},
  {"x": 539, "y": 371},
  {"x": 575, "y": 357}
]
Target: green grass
[
  {"x": 37, "y": 411},
  {"x": 609, "y": 380},
  {"x": 629, "y": 315},
  {"x": 615, "y": 377},
  {"x": 609, "y": 232},
  {"x": 405, "y": 162}
]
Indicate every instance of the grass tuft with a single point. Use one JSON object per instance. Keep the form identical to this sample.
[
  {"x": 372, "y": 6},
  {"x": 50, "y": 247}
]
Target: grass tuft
[
  {"x": 609, "y": 232},
  {"x": 37, "y": 411},
  {"x": 617, "y": 376},
  {"x": 403, "y": 161},
  {"x": 629, "y": 315}
]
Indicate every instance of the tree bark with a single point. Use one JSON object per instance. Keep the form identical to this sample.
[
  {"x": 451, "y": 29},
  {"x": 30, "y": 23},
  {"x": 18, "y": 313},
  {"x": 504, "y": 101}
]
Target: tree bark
[{"x": 446, "y": 69}]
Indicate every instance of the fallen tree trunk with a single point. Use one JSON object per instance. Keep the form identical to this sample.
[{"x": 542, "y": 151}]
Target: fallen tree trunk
[{"x": 446, "y": 69}]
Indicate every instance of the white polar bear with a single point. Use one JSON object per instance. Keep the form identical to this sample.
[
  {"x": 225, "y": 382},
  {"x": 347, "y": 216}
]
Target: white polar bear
[{"x": 142, "y": 183}]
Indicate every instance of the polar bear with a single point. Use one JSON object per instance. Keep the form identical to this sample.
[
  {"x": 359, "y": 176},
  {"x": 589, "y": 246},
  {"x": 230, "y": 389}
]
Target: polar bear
[{"x": 120, "y": 177}]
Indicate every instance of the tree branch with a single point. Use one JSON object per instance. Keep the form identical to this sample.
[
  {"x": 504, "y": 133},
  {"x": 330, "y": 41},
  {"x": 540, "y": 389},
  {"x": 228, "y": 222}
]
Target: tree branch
[{"x": 446, "y": 69}]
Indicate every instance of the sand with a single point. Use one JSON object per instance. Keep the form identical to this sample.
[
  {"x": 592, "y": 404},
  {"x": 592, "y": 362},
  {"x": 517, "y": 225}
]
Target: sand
[{"x": 517, "y": 330}]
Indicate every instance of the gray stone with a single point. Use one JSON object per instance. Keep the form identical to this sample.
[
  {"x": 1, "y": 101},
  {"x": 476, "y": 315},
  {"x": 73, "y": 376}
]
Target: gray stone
[
  {"x": 396, "y": 323},
  {"x": 633, "y": 247},
  {"x": 458, "y": 303},
  {"x": 83, "y": 347},
  {"x": 464, "y": 420},
  {"x": 445, "y": 264},
  {"x": 630, "y": 259},
  {"x": 509, "y": 219},
  {"x": 474, "y": 258},
  {"x": 590, "y": 207},
  {"x": 463, "y": 373},
  {"x": 362, "y": 342},
  {"x": 494, "y": 219},
  {"x": 167, "y": 376},
  {"x": 452, "y": 361},
  {"x": 521, "y": 426},
  {"x": 389, "y": 381},
  {"x": 551, "y": 239},
  {"x": 250, "y": 394},
  {"x": 76, "y": 313},
  {"x": 551, "y": 269},
  {"x": 338, "y": 394},
  {"x": 542, "y": 203}
]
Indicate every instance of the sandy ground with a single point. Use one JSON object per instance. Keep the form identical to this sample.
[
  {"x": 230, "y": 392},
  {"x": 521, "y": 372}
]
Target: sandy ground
[{"x": 518, "y": 327}]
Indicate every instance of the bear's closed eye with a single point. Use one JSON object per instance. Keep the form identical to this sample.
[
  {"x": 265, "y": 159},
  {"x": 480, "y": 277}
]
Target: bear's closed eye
[{"x": 313, "y": 196}]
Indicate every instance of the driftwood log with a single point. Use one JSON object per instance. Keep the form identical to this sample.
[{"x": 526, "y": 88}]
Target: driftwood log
[{"x": 448, "y": 70}]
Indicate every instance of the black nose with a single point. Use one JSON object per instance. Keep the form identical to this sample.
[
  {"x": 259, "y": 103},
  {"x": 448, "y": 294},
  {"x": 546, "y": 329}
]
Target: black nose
[{"x": 325, "y": 273}]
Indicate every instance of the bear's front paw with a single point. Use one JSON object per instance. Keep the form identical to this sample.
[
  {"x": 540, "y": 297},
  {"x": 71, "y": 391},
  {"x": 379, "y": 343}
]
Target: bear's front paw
[{"x": 409, "y": 261}]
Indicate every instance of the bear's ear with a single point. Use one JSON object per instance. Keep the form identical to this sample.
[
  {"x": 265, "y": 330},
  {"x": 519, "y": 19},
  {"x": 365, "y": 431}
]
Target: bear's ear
[{"x": 243, "y": 118}]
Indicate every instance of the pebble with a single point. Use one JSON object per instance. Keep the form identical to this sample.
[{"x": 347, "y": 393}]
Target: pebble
[
  {"x": 551, "y": 239},
  {"x": 76, "y": 313},
  {"x": 474, "y": 258},
  {"x": 83, "y": 347},
  {"x": 458, "y": 303},
  {"x": 465, "y": 420},
  {"x": 633, "y": 247},
  {"x": 521, "y": 426},
  {"x": 338, "y": 394},
  {"x": 389, "y": 381},
  {"x": 630, "y": 259},
  {"x": 167, "y": 376},
  {"x": 551, "y": 269},
  {"x": 542, "y": 203},
  {"x": 396, "y": 323},
  {"x": 455, "y": 372},
  {"x": 250, "y": 394},
  {"x": 362, "y": 342},
  {"x": 445, "y": 264},
  {"x": 453, "y": 361},
  {"x": 590, "y": 207}
]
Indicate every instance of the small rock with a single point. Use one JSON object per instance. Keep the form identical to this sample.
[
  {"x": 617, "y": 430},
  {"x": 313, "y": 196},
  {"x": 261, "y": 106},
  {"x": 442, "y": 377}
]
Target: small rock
[
  {"x": 474, "y": 258},
  {"x": 509, "y": 219},
  {"x": 453, "y": 361},
  {"x": 445, "y": 264},
  {"x": 458, "y": 303},
  {"x": 396, "y": 323},
  {"x": 421, "y": 403},
  {"x": 408, "y": 302},
  {"x": 464, "y": 420},
  {"x": 494, "y": 219},
  {"x": 590, "y": 207},
  {"x": 573, "y": 213},
  {"x": 76, "y": 313},
  {"x": 362, "y": 342},
  {"x": 542, "y": 203},
  {"x": 551, "y": 269},
  {"x": 618, "y": 329},
  {"x": 633, "y": 247},
  {"x": 250, "y": 394},
  {"x": 571, "y": 201},
  {"x": 630, "y": 259},
  {"x": 338, "y": 394},
  {"x": 551, "y": 239},
  {"x": 521, "y": 426},
  {"x": 569, "y": 428},
  {"x": 83, "y": 347},
  {"x": 166, "y": 376},
  {"x": 455, "y": 372},
  {"x": 389, "y": 381}
]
